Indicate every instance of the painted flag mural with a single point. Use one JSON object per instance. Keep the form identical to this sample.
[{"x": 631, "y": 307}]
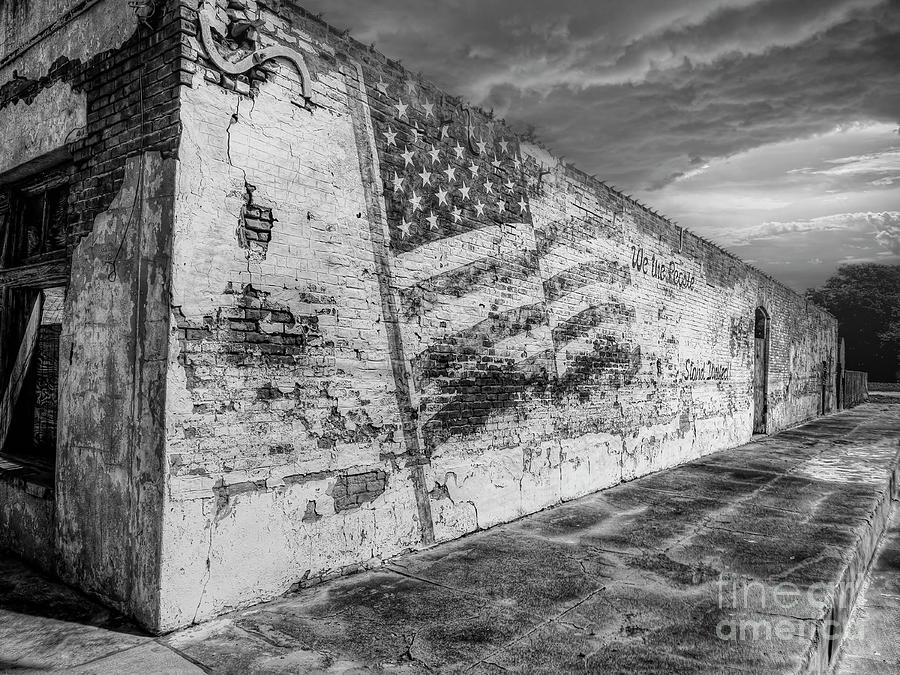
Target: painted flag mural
[{"x": 485, "y": 347}]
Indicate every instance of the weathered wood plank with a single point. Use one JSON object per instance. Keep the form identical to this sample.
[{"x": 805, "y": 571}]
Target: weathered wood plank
[
  {"x": 38, "y": 275},
  {"x": 19, "y": 370}
]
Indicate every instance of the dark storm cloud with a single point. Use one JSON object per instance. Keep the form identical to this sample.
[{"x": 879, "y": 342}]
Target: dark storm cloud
[
  {"x": 642, "y": 135},
  {"x": 641, "y": 92},
  {"x": 766, "y": 124}
]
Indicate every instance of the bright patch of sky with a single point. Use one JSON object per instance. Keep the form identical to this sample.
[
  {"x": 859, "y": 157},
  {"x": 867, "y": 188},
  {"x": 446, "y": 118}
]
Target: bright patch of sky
[{"x": 799, "y": 208}]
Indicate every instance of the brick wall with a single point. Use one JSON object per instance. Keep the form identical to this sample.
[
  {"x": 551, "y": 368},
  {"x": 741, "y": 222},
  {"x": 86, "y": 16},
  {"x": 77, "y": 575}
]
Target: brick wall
[
  {"x": 348, "y": 315},
  {"x": 353, "y": 490},
  {"x": 366, "y": 357},
  {"x": 280, "y": 384}
]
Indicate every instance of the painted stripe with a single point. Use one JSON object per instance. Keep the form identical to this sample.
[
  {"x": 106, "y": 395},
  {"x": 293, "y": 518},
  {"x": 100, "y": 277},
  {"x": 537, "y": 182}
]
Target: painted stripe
[
  {"x": 468, "y": 278},
  {"x": 584, "y": 274},
  {"x": 417, "y": 266},
  {"x": 477, "y": 342},
  {"x": 450, "y": 317}
]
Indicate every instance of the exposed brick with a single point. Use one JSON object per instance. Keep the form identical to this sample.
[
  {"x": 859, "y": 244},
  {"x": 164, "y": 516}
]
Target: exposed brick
[{"x": 535, "y": 359}]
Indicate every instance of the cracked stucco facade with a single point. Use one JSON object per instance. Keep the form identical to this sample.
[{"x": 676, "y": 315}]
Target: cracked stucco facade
[
  {"x": 321, "y": 395},
  {"x": 86, "y": 91}
]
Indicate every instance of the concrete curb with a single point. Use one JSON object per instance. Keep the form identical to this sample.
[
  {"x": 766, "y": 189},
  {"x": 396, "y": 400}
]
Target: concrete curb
[{"x": 823, "y": 654}]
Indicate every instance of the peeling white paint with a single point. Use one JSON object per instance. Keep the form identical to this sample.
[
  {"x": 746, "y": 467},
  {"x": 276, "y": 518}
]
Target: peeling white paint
[
  {"x": 57, "y": 116},
  {"x": 104, "y": 26}
]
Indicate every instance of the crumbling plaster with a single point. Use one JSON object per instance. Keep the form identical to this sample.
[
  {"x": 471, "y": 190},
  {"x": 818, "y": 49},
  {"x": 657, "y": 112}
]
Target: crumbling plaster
[
  {"x": 113, "y": 348},
  {"x": 102, "y": 25},
  {"x": 272, "y": 428},
  {"x": 280, "y": 346},
  {"x": 26, "y": 523},
  {"x": 68, "y": 100},
  {"x": 255, "y": 395},
  {"x": 57, "y": 116}
]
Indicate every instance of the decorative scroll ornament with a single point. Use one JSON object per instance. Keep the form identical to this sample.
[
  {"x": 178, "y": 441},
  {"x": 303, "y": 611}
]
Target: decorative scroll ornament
[{"x": 254, "y": 59}]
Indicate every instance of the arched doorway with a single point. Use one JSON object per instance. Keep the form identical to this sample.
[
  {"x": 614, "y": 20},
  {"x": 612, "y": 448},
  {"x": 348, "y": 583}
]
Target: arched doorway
[{"x": 760, "y": 370}]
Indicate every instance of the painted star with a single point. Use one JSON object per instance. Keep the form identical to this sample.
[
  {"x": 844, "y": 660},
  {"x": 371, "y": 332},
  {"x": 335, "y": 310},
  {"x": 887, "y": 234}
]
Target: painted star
[
  {"x": 432, "y": 221},
  {"x": 445, "y": 131},
  {"x": 398, "y": 182},
  {"x": 479, "y": 208},
  {"x": 455, "y": 213},
  {"x": 496, "y": 162},
  {"x": 482, "y": 146},
  {"x": 510, "y": 185},
  {"x": 415, "y": 201},
  {"x": 488, "y": 187},
  {"x": 426, "y": 177},
  {"x": 429, "y": 109},
  {"x": 416, "y": 133},
  {"x": 465, "y": 190},
  {"x": 451, "y": 172},
  {"x": 523, "y": 207},
  {"x": 391, "y": 136},
  {"x": 459, "y": 150},
  {"x": 473, "y": 167},
  {"x": 407, "y": 157},
  {"x": 501, "y": 205},
  {"x": 401, "y": 109},
  {"x": 504, "y": 146},
  {"x": 404, "y": 228},
  {"x": 517, "y": 162},
  {"x": 442, "y": 197},
  {"x": 435, "y": 154},
  {"x": 381, "y": 86},
  {"x": 411, "y": 86}
]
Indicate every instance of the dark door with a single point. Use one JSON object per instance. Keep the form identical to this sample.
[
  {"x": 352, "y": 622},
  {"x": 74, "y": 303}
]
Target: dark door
[
  {"x": 838, "y": 388},
  {"x": 759, "y": 385}
]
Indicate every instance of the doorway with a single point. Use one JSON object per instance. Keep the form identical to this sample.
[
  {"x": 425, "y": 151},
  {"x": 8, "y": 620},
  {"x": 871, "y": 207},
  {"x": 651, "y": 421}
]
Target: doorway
[{"x": 760, "y": 370}]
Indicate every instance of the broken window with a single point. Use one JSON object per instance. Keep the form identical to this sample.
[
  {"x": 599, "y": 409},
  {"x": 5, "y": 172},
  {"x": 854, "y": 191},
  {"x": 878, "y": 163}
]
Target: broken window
[
  {"x": 30, "y": 330},
  {"x": 34, "y": 227},
  {"x": 33, "y": 271}
]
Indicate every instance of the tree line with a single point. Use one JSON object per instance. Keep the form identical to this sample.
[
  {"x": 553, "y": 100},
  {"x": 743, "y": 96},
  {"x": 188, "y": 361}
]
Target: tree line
[{"x": 865, "y": 299}]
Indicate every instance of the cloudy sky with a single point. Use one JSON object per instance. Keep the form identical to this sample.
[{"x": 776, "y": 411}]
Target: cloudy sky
[{"x": 768, "y": 125}]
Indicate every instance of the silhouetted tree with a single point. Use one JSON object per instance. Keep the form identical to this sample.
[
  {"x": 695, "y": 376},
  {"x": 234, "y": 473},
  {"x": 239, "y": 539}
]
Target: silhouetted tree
[{"x": 865, "y": 298}]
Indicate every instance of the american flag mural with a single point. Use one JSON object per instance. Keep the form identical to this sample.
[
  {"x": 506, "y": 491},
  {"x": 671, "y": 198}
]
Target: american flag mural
[{"x": 485, "y": 330}]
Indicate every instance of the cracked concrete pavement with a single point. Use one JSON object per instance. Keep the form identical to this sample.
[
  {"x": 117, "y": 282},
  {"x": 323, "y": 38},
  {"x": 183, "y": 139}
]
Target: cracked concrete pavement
[
  {"x": 871, "y": 646},
  {"x": 677, "y": 572}
]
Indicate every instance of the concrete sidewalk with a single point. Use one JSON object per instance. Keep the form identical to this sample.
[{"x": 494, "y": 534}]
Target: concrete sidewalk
[
  {"x": 871, "y": 646},
  {"x": 744, "y": 561}
]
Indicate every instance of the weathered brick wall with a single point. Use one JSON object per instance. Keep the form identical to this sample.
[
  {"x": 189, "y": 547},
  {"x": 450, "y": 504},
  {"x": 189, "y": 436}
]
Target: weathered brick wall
[
  {"x": 385, "y": 333},
  {"x": 87, "y": 87},
  {"x": 280, "y": 384}
]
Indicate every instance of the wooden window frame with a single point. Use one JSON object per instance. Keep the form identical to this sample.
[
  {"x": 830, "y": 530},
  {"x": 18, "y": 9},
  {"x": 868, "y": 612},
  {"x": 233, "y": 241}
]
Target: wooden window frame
[
  {"x": 46, "y": 267},
  {"x": 12, "y": 254}
]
